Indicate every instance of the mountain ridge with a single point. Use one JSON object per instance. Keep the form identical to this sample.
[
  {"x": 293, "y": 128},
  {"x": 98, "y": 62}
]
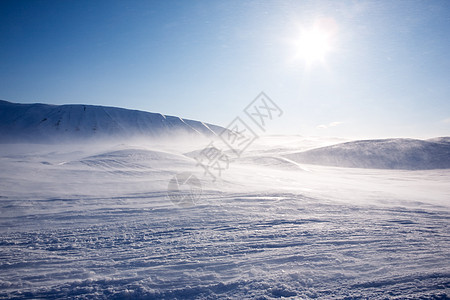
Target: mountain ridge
[
  {"x": 39, "y": 122},
  {"x": 394, "y": 153}
]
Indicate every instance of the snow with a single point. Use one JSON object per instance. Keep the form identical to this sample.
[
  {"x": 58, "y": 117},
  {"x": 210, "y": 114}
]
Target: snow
[
  {"x": 42, "y": 123},
  {"x": 406, "y": 154},
  {"x": 94, "y": 220}
]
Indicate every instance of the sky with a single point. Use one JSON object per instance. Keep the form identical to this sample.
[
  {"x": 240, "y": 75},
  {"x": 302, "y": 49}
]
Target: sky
[{"x": 353, "y": 69}]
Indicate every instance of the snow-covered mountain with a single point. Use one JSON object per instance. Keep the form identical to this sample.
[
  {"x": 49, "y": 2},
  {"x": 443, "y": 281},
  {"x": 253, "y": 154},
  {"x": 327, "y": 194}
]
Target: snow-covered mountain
[
  {"x": 56, "y": 123},
  {"x": 408, "y": 154}
]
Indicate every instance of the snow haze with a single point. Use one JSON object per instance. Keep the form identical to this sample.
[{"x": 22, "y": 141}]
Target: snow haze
[
  {"x": 251, "y": 149},
  {"x": 92, "y": 214}
]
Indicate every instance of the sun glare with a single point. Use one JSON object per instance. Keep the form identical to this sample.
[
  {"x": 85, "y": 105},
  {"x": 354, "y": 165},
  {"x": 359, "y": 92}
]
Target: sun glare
[{"x": 313, "y": 44}]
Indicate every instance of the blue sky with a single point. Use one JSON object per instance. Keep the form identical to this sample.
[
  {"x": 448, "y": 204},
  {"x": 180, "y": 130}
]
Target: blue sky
[{"x": 385, "y": 73}]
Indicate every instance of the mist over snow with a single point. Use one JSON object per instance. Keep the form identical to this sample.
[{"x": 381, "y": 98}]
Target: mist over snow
[
  {"x": 85, "y": 211},
  {"x": 277, "y": 149},
  {"x": 43, "y": 123},
  {"x": 407, "y": 154}
]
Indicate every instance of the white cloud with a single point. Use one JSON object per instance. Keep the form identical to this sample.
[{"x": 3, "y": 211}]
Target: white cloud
[
  {"x": 332, "y": 124},
  {"x": 446, "y": 120}
]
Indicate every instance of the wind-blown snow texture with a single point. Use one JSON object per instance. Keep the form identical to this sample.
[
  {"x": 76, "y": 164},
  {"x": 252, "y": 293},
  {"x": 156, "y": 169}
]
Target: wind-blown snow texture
[
  {"x": 95, "y": 221},
  {"x": 63, "y": 123},
  {"x": 406, "y": 154}
]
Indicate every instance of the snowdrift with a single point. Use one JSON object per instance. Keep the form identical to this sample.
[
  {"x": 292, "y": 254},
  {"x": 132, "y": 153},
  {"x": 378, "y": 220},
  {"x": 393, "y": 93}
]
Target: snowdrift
[
  {"x": 42, "y": 123},
  {"x": 95, "y": 220},
  {"x": 406, "y": 154}
]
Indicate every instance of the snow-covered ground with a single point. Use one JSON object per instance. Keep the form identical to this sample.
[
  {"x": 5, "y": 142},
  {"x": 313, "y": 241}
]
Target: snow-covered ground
[{"x": 95, "y": 221}]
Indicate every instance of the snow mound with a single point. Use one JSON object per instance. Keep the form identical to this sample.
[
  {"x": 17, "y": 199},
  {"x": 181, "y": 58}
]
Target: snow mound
[
  {"x": 43, "y": 123},
  {"x": 444, "y": 139},
  {"x": 406, "y": 154},
  {"x": 136, "y": 155},
  {"x": 133, "y": 161},
  {"x": 275, "y": 162}
]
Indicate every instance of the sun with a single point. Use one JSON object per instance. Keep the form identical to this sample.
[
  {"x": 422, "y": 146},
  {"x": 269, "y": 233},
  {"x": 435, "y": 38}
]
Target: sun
[{"x": 314, "y": 43}]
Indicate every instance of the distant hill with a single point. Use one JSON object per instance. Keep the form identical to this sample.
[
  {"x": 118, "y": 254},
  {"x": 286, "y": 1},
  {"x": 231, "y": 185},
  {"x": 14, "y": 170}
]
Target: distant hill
[
  {"x": 40, "y": 123},
  {"x": 407, "y": 154},
  {"x": 444, "y": 139}
]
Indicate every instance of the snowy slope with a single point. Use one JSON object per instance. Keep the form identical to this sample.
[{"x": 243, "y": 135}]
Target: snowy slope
[
  {"x": 407, "y": 154},
  {"x": 95, "y": 222},
  {"x": 444, "y": 140},
  {"x": 55, "y": 123}
]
